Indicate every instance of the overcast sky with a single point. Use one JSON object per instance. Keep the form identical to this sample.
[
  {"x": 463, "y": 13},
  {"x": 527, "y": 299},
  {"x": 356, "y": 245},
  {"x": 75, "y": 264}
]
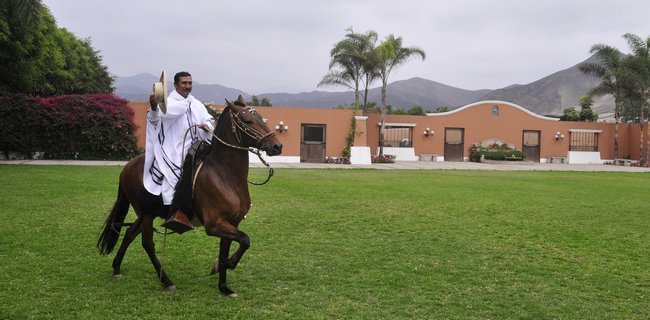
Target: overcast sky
[{"x": 283, "y": 45}]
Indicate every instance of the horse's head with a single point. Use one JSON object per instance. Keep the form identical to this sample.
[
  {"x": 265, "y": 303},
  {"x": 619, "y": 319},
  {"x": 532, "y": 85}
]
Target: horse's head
[{"x": 250, "y": 128}]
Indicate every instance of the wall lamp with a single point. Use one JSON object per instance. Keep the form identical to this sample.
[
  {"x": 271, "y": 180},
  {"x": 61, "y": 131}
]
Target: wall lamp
[
  {"x": 428, "y": 132},
  {"x": 559, "y": 136},
  {"x": 281, "y": 126}
]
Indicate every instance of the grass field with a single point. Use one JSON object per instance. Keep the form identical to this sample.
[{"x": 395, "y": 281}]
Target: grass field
[{"x": 344, "y": 244}]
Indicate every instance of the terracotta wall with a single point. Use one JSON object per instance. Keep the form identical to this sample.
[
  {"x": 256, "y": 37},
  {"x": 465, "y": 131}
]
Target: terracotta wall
[
  {"x": 476, "y": 119},
  {"x": 479, "y": 124},
  {"x": 337, "y": 126},
  {"x": 140, "y": 120}
]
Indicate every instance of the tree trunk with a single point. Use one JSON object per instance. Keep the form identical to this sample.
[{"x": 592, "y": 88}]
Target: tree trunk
[
  {"x": 356, "y": 93},
  {"x": 641, "y": 157},
  {"x": 647, "y": 147},
  {"x": 383, "y": 114},
  {"x": 616, "y": 116},
  {"x": 647, "y": 133},
  {"x": 365, "y": 97}
]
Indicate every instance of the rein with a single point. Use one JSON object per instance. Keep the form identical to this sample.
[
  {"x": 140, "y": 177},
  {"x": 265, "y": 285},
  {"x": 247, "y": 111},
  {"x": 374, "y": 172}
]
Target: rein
[{"x": 239, "y": 126}]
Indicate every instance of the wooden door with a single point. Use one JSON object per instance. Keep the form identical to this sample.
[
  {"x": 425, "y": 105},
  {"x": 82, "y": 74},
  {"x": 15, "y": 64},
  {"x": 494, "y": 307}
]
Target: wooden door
[
  {"x": 531, "y": 145},
  {"x": 312, "y": 143},
  {"x": 454, "y": 144}
]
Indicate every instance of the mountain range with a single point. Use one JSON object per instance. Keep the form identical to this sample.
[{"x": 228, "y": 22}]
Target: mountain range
[{"x": 549, "y": 95}]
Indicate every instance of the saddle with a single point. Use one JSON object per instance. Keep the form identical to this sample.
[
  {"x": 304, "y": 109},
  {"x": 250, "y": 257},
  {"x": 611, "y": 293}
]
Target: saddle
[{"x": 184, "y": 188}]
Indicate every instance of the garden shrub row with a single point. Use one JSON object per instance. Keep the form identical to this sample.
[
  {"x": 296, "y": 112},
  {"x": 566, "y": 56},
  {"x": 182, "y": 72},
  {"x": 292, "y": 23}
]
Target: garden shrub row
[
  {"x": 85, "y": 127},
  {"x": 494, "y": 152}
]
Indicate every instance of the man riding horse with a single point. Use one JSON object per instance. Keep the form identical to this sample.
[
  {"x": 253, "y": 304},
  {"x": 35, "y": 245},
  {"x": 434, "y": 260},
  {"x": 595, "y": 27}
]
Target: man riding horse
[{"x": 169, "y": 137}]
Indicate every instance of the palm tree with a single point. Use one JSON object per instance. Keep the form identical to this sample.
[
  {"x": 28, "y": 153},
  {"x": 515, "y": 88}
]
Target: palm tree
[
  {"x": 20, "y": 42},
  {"x": 364, "y": 56},
  {"x": 387, "y": 56},
  {"x": 612, "y": 75},
  {"x": 639, "y": 65},
  {"x": 347, "y": 64},
  {"x": 24, "y": 13}
]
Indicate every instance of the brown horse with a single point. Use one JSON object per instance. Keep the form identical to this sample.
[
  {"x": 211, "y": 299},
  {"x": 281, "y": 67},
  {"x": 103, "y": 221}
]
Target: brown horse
[{"x": 221, "y": 197}]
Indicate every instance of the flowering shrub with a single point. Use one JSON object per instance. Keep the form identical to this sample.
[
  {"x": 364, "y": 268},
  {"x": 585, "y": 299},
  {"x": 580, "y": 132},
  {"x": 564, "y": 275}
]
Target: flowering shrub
[
  {"x": 92, "y": 126},
  {"x": 337, "y": 160},
  {"x": 494, "y": 151},
  {"x": 387, "y": 158}
]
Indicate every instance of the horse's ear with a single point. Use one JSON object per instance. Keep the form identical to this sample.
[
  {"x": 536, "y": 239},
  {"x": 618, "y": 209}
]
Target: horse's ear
[
  {"x": 241, "y": 100},
  {"x": 228, "y": 103}
]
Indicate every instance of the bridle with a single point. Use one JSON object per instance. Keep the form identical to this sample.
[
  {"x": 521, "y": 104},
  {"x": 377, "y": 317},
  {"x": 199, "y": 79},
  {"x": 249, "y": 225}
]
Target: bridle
[{"x": 238, "y": 127}]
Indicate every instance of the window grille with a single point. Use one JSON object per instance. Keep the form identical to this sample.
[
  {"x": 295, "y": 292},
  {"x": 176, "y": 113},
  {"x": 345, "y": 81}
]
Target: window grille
[
  {"x": 396, "y": 136},
  {"x": 583, "y": 141},
  {"x": 313, "y": 133}
]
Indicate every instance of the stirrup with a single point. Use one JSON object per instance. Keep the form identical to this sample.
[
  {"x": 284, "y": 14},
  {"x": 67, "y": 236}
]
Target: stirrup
[{"x": 178, "y": 222}]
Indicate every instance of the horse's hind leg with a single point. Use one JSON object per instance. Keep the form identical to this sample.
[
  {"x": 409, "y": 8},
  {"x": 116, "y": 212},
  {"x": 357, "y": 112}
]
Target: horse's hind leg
[
  {"x": 132, "y": 232},
  {"x": 149, "y": 247}
]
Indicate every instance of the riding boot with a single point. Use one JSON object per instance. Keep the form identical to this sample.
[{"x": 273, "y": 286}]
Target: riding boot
[{"x": 178, "y": 222}]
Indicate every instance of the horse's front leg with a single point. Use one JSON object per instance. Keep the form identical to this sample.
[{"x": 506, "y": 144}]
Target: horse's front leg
[
  {"x": 229, "y": 233},
  {"x": 149, "y": 247}
]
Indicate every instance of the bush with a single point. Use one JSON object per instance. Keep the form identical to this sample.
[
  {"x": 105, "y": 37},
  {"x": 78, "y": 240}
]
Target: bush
[
  {"x": 387, "y": 158},
  {"x": 337, "y": 160},
  {"x": 502, "y": 155},
  {"x": 494, "y": 152},
  {"x": 89, "y": 127}
]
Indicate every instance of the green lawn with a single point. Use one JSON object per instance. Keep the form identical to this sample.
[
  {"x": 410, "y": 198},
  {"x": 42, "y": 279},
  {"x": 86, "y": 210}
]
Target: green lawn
[{"x": 343, "y": 244}]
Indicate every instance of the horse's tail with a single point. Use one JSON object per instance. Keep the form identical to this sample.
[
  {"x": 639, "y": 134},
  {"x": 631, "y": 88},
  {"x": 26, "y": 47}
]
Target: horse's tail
[{"x": 111, "y": 232}]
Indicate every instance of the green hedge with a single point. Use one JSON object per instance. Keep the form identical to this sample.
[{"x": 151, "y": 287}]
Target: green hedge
[
  {"x": 501, "y": 155},
  {"x": 88, "y": 127},
  {"x": 494, "y": 152}
]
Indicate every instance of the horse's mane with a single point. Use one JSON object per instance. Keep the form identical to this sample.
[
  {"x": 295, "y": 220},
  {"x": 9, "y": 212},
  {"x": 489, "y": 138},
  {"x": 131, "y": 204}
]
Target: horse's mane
[
  {"x": 227, "y": 110},
  {"x": 223, "y": 116}
]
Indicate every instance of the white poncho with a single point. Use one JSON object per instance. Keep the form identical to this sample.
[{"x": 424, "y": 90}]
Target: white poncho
[{"x": 164, "y": 144}]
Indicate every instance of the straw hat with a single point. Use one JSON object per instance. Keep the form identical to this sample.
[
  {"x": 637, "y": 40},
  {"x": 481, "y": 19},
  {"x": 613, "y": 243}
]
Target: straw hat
[{"x": 160, "y": 92}]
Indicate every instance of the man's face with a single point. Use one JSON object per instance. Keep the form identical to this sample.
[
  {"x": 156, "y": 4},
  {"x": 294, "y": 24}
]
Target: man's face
[{"x": 184, "y": 86}]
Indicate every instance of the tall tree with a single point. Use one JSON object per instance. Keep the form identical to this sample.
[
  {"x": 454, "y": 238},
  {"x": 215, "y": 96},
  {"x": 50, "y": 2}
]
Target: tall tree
[
  {"x": 19, "y": 41},
  {"x": 388, "y": 55},
  {"x": 349, "y": 66},
  {"x": 37, "y": 57},
  {"x": 586, "y": 113},
  {"x": 22, "y": 13},
  {"x": 638, "y": 62},
  {"x": 365, "y": 56},
  {"x": 613, "y": 78}
]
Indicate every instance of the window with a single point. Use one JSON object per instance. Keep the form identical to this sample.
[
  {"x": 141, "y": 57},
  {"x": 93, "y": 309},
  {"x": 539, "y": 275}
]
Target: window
[
  {"x": 398, "y": 135},
  {"x": 531, "y": 138},
  {"x": 453, "y": 136},
  {"x": 583, "y": 140},
  {"x": 313, "y": 133},
  {"x": 495, "y": 110}
]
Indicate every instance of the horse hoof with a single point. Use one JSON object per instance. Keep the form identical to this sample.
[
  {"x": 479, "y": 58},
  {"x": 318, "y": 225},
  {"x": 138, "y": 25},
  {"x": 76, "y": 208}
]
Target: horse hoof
[
  {"x": 117, "y": 276},
  {"x": 170, "y": 288},
  {"x": 215, "y": 268},
  {"x": 232, "y": 295}
]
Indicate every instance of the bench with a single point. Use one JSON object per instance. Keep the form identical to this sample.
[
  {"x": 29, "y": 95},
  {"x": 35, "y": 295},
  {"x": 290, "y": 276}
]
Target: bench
[
  {"x": 623, "y": 162},
  {"x": 428, "y": 157},
  {"x": 554, "y": 159}
]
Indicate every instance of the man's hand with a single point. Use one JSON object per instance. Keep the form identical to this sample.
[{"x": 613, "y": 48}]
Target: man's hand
[
  {"x": 153, "y": 103},
  {"x": 205, "y": 127}
]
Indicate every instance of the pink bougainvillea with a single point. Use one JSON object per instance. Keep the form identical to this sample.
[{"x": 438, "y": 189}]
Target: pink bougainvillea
[{"x": 90, "y": 126}]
